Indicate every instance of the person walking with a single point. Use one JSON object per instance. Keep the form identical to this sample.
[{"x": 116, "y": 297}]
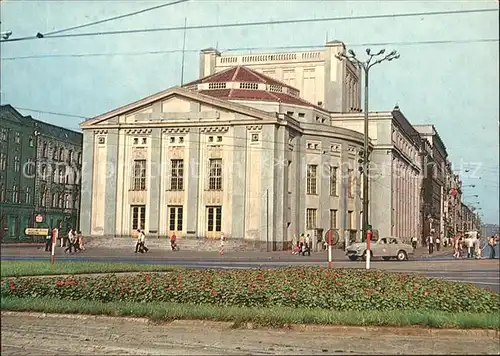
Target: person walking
[
  {"x": 430, "y": 242},
  {"x": 138, "y": 242},
  {"x": 438, "y": 243},
  {"x": 492, "y": 243},
  {"x": 414, "y": 242},
  {"x": 469, "y": 244},
  {"x": 48, "y": 241},
  {"x": 70, "y": 243}
]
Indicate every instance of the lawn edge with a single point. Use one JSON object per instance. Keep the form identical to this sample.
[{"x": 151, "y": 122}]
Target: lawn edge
[{"x": 250, "y": 318}]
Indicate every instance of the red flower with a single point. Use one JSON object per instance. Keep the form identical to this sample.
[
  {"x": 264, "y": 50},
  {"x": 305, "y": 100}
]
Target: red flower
[
  {"x": 338, "y": 283},
  {"x": 12, "y": 285},
  {"x": 148, "y": 278},
  {"x": 426, "y": 292},
  {"x": 214, "y": 292},
  {"x": 259, "y": 275},
  {"x": 60, "y": 284}
]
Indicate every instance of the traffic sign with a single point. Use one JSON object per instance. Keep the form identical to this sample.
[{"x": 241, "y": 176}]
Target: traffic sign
[
  {"x": 36, "y": 232},
  {"x": 38, "y": 218}
]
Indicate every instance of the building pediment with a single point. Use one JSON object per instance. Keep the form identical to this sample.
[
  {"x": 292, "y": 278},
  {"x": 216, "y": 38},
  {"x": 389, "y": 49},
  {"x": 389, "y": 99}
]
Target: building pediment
[{"x": 177, "y": 104}]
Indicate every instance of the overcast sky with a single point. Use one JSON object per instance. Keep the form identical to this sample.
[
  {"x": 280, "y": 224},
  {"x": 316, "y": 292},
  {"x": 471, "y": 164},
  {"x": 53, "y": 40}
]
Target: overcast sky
[{"x": 455, "y": 86}]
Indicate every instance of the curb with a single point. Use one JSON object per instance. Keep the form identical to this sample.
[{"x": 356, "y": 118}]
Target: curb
[{"x": 328, "y": 329}]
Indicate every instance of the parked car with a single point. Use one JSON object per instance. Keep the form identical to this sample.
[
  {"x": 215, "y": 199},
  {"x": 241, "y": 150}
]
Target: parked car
[{"x": 386, "y": 248}]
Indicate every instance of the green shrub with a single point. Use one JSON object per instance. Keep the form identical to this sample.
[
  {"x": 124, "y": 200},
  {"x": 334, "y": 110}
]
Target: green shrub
[{"x": 297, "y": 287}]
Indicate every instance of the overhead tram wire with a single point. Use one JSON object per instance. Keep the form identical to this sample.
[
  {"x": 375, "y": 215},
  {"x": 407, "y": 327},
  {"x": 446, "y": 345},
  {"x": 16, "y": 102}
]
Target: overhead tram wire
[
  {"x": 114, "y": 18},
  {"x": 258, "y": 23},
  {"x": 250, "y": 49}
]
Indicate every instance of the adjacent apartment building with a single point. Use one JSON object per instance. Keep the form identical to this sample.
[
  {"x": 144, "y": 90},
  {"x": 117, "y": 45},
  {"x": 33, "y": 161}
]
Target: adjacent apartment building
[
  {"x": 36, "y": 177},
  {"x": 236, "y": 153}
]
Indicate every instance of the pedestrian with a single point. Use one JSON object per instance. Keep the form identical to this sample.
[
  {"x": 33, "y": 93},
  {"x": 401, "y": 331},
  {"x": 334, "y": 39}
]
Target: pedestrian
[
  {"x": 492, "y": 243},
  {"x": 138, "y": 242},
  {"x": 456, "y": 247},
  {"x": 469, "y": 244},
  {"x": 438, "y": 244},
  {"x": 81, "y": 241},
  {"x": 477, "y": 249},
  {"x": 414, "y": 241},
  {"x": 301, "y": 243},
  {"x": 70, "y": 243},
  {"x": 221, "y": 247},
  {"x": 430, "y": 242},
  {"x": 173, "y": 241},
  {"x": 48, "y": 241}
]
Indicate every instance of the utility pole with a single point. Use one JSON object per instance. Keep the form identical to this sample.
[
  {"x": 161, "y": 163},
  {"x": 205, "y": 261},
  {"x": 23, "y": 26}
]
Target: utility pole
[{"x": 366, "y": 66}]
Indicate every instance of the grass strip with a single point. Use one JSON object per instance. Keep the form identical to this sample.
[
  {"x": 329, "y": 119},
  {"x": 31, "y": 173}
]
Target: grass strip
[
  {"x": 270, "y": 317},
  {"x": 42, "y": 268}
]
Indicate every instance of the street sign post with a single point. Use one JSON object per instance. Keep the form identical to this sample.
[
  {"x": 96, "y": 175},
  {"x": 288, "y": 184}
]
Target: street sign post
[{"x": 31, "y": 231}]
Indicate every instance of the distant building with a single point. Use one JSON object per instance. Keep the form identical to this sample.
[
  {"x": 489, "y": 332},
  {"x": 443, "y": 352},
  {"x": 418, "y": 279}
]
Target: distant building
[
  {"x": 236, "y": 152},
  {"x": 434, "y": 183},
  {"x": 17, "y": 168},
  {"x": 58, "y": 179},
  {"x": 36, "y": 177},
  {"x": 490, "y": 230},
  {"x": 395, "y": 171}
]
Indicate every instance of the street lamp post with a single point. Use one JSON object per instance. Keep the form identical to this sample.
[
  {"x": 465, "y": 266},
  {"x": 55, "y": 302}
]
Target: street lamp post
[{"x": 372, "y": 60}]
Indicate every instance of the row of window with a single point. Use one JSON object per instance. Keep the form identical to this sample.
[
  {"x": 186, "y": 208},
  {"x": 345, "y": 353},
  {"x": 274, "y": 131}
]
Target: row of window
[
  {"x": 4, "y": 136},
  {"x": 58, "y": 200},
  {"x": 59, "y": 175},
  {"x": 30, "y": 168},
  {"x": 60, "y": 153},
  {"x": 312, "y": 219},
  {"x": 139, "y": 175},
  {"x": 176, "y": 218},
  {"x": 15, "y": 195},
  {"x": 312, "y": 181}
]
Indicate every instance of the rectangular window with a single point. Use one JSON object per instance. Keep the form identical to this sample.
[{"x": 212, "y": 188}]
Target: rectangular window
[
  {"x": 215, "y": 174},
  {"x": 333, "y": 219},
  {"x": 214, "y": 218},
  {"x": 139, "y": 175},
  {"x": 311, "y": 216},
  {"x": 175, "y": 218},
  {"x": 138, "y": 217},
  {"x": 17, "y": 164},
  {"x": 350, "y": 222},
  {"x": 177, "y": 177},
  {"x": 333, "y": 181},
  {"x": 3, "y": 161},
  {"x": 312, "y": 179},
  {"x": 350, "y": 183}
]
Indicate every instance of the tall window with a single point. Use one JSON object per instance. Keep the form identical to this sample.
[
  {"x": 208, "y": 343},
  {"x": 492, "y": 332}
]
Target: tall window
[
  {"x": 175, "y": 218},
  {"x": 138, "y": 217},
  {"x": 215, "y": 174},
  {"x": 214, "y": 218},
  {"x": 45, "y": 150},
  {"x": 177, "y": 177},
  {"x": 43, "y": 198},
  {"x": 70, "y": 156},
  {"x": 27, "y": 195},
  {"x": 333, "y": 219},
  {"x": 333, "y": 181},
  {"x": 30, "y": 141},
  {"x": 2, "y": 192},
  {"x": 54, "y": 200},
  {"x": 67, "y": 201},
  {"x": 61, "y": 201},
  {"x": 15, "y": 194},
  {"x": 44, "y": 173},
  {"x": 289, "y": 77},
  {"x": 17, "y": 138},
  {"x": 311, "y": 218},
  {"x": 54, "y": 153},
  {"x": 61, "y": 154},
  {"x": 3, "y": 161},
  {"x": 62, "y": 179},
  {"x": 350, "y": 220},
  {"x": 312, "y": 179},
  {"x": 17, "y": 164},
  {"x": 139, "y": 178},
  {"x": 350, "y": 183}
]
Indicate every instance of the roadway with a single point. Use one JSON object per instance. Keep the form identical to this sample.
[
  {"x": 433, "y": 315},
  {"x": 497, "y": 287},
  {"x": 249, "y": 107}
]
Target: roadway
[{"x": 483, "y": 273}]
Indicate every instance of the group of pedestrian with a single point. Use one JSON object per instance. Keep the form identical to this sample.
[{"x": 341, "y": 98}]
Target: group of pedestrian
[
  {"x": 432, "y": 243},
  {"x": 302, "y": 246},
  {"x": 73, "y": 241},
  {"x": 140, "y": 245}
]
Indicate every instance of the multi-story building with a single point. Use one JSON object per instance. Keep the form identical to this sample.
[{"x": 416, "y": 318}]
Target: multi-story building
[
  {"x": 394, "y": 171},
  {"x": 17, "y": 184},
  {"x": 59, "y": 159},
  {"x": 39, "y": 173},
  {"x": 452, "y": 202},
  {"x": 318, "y": 75},
  {"x": 435, "y": 161},
  {"x": 236, "y": 152}
]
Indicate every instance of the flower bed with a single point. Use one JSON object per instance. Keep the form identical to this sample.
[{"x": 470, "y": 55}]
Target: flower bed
[{"x": 289, "y": 287}]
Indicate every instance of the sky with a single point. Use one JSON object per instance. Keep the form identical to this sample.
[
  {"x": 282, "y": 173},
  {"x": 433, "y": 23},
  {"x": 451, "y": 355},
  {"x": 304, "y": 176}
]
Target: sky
[{"x": 454, "y": 86}]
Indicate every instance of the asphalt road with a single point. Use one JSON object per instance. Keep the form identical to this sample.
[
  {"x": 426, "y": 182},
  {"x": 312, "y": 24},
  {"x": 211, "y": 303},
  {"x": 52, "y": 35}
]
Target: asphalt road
[{"x": 483, "y": 273}]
